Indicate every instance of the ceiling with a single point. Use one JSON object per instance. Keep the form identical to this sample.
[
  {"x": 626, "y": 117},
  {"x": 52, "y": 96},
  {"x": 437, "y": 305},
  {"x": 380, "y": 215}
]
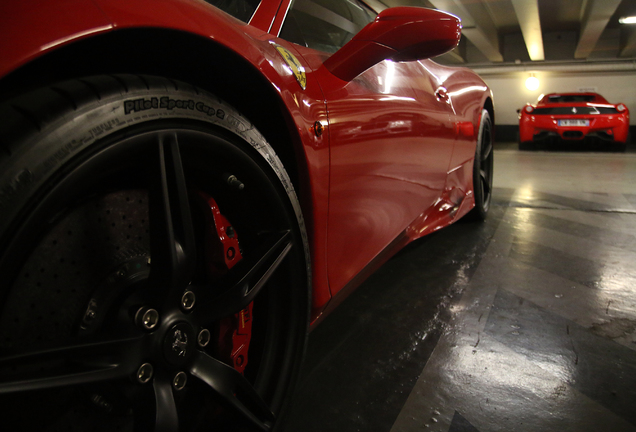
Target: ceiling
[{"x": 523, "y": 32}]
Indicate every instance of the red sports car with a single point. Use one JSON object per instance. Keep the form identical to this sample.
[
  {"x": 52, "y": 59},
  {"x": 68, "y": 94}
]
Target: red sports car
[
  {"x": 187, "y": 186},
  {"x": 572, "y": 117}
]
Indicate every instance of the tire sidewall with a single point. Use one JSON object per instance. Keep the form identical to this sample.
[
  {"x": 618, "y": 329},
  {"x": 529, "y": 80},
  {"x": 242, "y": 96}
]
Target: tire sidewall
[{"x": 44, "y": 155}]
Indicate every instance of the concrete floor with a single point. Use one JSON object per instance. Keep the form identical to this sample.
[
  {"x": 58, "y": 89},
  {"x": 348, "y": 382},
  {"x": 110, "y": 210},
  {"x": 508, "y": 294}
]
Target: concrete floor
[{"x": 526, "y": 322}]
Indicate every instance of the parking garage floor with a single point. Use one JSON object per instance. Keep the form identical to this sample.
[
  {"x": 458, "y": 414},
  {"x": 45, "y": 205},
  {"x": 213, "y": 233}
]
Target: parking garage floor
[{"x": 526, "y": 322}]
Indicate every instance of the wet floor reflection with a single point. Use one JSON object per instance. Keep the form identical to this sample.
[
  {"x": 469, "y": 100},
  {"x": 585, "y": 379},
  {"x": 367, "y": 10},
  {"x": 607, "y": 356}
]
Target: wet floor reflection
[
  {"x": 363, "y": 361},
  {"x": 524, "y": 323},
  {"x": 544, "y": 337},
  {"x": 593, "y": 365}
]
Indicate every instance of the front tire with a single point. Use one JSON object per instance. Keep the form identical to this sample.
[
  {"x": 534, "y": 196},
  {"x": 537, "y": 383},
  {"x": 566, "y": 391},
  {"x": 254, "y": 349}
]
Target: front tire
[{"x": 102, "y": 237}]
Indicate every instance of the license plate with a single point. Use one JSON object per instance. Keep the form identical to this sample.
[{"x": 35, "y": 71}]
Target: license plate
[{"x": 574, "y": 122}]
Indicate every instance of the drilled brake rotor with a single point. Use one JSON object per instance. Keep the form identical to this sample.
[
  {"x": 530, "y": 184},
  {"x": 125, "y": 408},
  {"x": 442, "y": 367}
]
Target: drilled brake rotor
[{"x": 95, "y": 256}]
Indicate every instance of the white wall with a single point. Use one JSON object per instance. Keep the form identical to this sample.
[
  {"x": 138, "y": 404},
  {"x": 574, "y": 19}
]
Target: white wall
[{"x": 511, "y": 94}]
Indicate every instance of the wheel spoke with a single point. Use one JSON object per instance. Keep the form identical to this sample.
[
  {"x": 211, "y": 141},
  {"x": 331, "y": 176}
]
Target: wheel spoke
[
  {"x": 155, "y": 408},
  {"x": 485, "y": 182},
  {"x": 166, "y": 410},
  {"x": 485, "y": 154},
  {"x": 255, "y": 271},
  {"x": 171, "y": 232},
  {"x": 70, "y": 365},
  {"x": 229, "y": 385},
  {"x": 484, "y": 176}
]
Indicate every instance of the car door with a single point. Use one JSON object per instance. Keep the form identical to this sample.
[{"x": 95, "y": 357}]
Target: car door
[{"x": 391, "y": 138}]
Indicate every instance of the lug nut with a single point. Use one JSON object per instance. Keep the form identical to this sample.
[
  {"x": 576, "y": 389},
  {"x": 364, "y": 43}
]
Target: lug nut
[
  {"x": 187, "y": 301},
  {"x": 179, "y": 381},
  {"x": 144, "y": 374},
  {"x": 147, "y": 318},
  {"x": 204, "y": 338},
  {"x": 91, "y": 312}
]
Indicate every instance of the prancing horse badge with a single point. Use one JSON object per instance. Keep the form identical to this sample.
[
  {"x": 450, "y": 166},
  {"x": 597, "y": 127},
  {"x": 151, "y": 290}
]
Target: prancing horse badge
[
  {"x": 293, "y": 63},
  {"x": 180, "y": 343}
]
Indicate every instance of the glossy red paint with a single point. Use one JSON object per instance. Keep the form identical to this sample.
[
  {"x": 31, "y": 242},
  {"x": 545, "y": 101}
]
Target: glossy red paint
[
  {"x": 414, "y": 33},
  {"x": 31, "y": 28},
  {"x": 264, "y": 15},
  {"x": 281, "y": 14},
  {"x": 399, "y": 167},
  {"x": 574, "y": 116},
  {"x": 394, "y": 162},
  {"x": 411, "y": 132},
  {"x": 399, "y": 34}
]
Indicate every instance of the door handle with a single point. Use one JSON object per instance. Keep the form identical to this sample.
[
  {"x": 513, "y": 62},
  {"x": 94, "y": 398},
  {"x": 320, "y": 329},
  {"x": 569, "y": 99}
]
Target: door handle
[{"x": 442, "y": 94}]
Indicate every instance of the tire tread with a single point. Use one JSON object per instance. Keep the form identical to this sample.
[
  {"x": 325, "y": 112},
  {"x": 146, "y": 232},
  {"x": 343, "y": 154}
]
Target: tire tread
[
  {"x": 22, "y": 125},
  {"x": 30, "y": 113}
]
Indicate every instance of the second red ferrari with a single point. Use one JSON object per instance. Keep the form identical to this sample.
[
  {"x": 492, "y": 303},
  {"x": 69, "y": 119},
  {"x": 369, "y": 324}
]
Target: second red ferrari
[{"x": 572, "y": 117}]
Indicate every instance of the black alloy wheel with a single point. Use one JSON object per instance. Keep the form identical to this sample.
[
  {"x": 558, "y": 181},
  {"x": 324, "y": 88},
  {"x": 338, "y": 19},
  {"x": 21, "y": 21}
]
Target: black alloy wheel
[
  {"x": 114, "y": 312},
  {"x": 483, "y": 169}
]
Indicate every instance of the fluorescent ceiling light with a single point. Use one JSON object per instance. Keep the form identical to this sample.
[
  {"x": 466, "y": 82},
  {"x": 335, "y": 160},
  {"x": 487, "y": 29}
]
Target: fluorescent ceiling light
[{"x": 627, "y": 20}]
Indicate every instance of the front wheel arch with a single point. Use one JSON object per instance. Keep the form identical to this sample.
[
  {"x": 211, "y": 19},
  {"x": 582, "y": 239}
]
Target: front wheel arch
[{"x": 177, "y": 55}]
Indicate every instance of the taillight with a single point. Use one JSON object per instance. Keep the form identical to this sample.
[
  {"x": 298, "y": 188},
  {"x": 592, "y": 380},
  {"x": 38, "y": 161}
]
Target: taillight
[
  {"x": 528, "y": 109},
  {"x": 621, "y": 107}
]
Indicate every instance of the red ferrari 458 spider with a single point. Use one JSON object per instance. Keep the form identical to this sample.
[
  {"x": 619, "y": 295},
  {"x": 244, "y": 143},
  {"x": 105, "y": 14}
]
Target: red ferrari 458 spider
[
  {"x": 187, "y": 186},
  {"x": 571, "y": 117}
]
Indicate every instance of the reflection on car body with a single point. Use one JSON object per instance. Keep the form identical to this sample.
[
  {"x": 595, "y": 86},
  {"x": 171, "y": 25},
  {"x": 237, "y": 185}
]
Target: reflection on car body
[{"x": 186, "y": 188}]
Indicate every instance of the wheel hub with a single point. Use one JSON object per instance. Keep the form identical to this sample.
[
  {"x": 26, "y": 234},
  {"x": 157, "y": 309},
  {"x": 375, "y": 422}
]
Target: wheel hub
[{"x": 179, "y": 343}]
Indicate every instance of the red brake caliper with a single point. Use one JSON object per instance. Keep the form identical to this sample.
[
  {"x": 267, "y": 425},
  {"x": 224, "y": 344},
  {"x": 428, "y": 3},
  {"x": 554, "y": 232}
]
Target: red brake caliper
[{"x": 223, "y": 252}]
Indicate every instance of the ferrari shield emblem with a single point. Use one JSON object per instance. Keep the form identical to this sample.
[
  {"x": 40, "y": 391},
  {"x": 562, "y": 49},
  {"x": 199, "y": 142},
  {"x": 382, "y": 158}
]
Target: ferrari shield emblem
[{"x": 294, "y": 65}]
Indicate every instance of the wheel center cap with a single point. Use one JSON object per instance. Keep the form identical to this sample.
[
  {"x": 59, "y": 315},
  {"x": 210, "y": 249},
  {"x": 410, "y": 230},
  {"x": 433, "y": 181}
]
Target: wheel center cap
[{"x": 178, "y": 344}]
